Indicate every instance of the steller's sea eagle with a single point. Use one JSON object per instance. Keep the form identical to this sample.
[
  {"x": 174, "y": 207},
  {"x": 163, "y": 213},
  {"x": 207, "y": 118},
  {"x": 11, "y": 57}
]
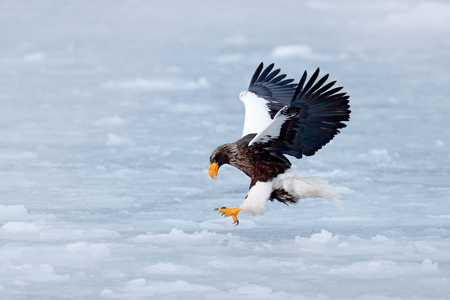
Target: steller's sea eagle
[{"x": 282, "y": 118}]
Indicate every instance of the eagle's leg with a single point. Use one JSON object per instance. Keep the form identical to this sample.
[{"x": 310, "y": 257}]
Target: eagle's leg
[{"x": 230, "y": 212}]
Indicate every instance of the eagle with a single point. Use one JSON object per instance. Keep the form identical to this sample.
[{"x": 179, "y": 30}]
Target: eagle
[{"x": 282, "y": 118}]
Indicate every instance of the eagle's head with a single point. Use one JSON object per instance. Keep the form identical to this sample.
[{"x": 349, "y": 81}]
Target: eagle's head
[{"x": 217, "y": 159}]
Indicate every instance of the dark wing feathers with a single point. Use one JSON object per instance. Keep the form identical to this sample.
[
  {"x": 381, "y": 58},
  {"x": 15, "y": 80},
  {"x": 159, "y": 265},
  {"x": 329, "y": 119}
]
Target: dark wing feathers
[
  {"x": 287, "y": 81},
  {"x": 272, "y": 75},
  {"x": 256, "y": 74},
  {"x": 264, "y": 74},
  {"x": 315, "y": 114},
  {"x": 299, "y": 87},
  {"x": 273, "y": 87},
  {"x": 279, "y": 78},
  {"x": 311, "y": 81}
]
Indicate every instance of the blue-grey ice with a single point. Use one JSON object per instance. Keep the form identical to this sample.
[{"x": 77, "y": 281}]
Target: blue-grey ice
[{"x": 109, "y": 111}]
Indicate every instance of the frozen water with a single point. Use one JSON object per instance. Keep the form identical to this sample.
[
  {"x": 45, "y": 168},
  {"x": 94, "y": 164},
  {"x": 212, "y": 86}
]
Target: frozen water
[{"x": 109, "y": 112}]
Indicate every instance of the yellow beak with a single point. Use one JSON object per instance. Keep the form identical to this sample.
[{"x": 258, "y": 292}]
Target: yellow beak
[{"x": 213, "y": 169}]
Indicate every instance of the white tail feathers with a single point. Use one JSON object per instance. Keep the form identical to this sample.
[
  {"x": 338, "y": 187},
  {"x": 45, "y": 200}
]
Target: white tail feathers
[
  {"x": 318, "y": 187},
  {"x": 308, "y": 187}
]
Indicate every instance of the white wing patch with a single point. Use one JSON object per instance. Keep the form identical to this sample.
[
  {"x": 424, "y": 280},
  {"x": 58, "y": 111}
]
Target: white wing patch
[
  {"x": 257, "y": 114},
  {"x": 272, "y": 130}
]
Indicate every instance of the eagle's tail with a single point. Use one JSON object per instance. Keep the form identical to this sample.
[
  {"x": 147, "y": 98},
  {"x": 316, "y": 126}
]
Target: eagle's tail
[
  {"x": 307, "y": 187},
  {"x": 316, "y": 187}
]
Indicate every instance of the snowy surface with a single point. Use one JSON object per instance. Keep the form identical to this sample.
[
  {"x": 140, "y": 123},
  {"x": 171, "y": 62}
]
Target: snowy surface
[{"x": 109, "y": 111}]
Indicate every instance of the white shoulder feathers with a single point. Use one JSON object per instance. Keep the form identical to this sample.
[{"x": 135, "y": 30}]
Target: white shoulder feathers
[
  {"x": 272, "y": 130},
  {"x": 257, "y": 115}
]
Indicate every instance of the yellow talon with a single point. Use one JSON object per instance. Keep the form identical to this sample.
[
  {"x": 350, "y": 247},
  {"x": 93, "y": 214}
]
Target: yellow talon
[{"x": 228, "y": 212}]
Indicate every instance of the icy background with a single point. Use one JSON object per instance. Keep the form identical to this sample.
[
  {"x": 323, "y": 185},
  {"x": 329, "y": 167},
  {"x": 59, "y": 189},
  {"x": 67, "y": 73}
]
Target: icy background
[{"x": 109, "y": 111}]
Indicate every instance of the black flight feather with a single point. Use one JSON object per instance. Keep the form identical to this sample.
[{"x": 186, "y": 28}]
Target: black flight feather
[
  {"x": 314, "y": 116},
  {"x": 273, "y": 87},
  {"x": 256, "y": 74}
]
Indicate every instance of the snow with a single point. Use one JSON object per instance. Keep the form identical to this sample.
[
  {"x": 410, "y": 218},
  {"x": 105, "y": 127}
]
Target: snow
[
  {"x": 427, "y": 15},
  {"x": 22, "y": 228},
  {"x": 141, "y": 288},
  {"x": 13, "y": 212},
  {"x": 27, "y": 272},
  {"x": 302, "y": 52},
  {"x": 287, "y": 51},
  {"x": 159, "y": 84},
  {"x": 33, "y": 57},
  {"x": 109, "y": 112}
]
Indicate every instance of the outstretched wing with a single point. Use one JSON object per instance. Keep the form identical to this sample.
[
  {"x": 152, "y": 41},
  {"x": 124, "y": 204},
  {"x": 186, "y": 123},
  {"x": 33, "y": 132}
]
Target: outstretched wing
[
  {"x": 311, "y": 119},
  {"x": 267, "y": 93}
]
